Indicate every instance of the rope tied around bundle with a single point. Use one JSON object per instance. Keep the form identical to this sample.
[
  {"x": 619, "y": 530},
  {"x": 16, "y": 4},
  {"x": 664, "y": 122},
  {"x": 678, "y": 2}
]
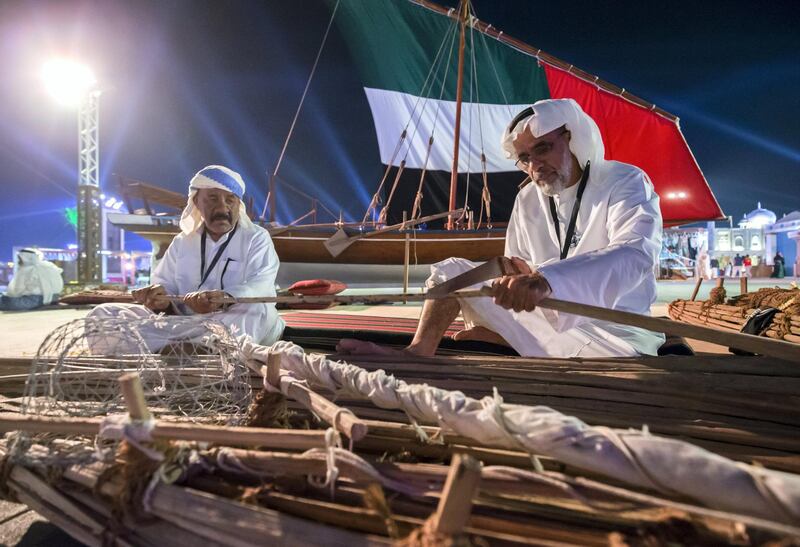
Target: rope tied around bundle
[
  {"x": 332, "y": 441},
  {"x": 664, "y": 464},
  {"x": 717, "y": 295},
  {"x": 138, "y": 433},
  {"x": 769, "y": 297}
]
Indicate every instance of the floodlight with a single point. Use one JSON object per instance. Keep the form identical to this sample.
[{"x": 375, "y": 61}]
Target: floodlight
[{"x": 68, "y": 81}]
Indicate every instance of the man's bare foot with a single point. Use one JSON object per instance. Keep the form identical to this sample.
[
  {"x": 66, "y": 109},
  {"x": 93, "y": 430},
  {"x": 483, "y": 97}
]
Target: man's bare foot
[
  {"x": 480, "y": 334},
  {"x": 360, "y": 347}
]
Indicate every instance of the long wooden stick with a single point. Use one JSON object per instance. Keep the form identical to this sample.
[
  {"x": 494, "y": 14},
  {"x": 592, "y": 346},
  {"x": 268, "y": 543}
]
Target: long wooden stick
[
  {"x": 132, "y": 392},
  {"x": 749, "y": 342},
  {"x": 460, "y": 487},
  {"x": 337, "y": 243},
  {"x": 697, "y": 287},
  {"x": 338, "y": 417},
  {"x": 239, "y": 436},
  {"x": 756, "y": 344}
]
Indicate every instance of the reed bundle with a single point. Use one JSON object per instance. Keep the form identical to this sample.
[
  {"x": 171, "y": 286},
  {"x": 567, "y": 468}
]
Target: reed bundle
[
  {"x": 403, "y": 483},
  {"x": 734, "y": 314}
]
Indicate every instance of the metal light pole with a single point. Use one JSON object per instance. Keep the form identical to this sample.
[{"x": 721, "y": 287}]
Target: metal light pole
[
  {"x": 73, "y": 84},
  {"x": 90, "y": 233}
]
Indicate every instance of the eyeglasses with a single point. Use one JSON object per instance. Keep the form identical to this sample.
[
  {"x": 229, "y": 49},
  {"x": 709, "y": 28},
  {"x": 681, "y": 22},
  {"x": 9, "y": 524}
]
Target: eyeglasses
[{"x": 538, "y": 152}]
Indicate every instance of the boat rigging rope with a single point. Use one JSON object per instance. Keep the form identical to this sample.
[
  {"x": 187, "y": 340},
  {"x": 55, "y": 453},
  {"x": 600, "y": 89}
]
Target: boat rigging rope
[
  {"x": 385, "y": 210},
  {"x": 416, "y": 210},
  {"x": 486, "y": 196},
  {"x": 425, "y": 90},
  {"x": 305, "y": 91}
]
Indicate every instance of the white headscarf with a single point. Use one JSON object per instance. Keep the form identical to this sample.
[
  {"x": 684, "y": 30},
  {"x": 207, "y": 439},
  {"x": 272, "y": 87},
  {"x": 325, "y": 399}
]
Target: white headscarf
[
  {"x": 35, "y": 276},
  {"x": 585, "y": 141},
  {"x": 213, "y": 176}
]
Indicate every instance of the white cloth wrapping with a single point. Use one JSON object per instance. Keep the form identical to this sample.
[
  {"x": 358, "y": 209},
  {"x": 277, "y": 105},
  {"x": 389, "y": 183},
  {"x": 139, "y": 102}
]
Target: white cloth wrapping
[
  {"x": 35, "y": 276},
  {"x": 586, "y": 142},
  {"x": 611, "y": 265},
  {"x": 632, "y": 456}
]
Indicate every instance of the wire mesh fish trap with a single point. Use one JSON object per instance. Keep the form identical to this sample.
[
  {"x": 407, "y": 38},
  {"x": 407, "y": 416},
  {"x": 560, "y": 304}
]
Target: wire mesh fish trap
[{"x": 191, "y": 369}]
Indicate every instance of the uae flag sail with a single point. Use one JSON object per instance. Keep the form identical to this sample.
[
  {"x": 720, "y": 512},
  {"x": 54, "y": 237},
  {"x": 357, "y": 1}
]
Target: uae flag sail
[{"x": 406, "y": 53}]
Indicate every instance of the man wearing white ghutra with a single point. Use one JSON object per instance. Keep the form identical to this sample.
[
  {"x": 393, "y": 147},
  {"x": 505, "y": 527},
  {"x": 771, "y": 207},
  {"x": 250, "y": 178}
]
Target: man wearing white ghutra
[{"x": 219, "y": 252}]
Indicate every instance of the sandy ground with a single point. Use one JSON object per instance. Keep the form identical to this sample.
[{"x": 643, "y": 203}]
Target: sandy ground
[{"x": 21, "y": 333}]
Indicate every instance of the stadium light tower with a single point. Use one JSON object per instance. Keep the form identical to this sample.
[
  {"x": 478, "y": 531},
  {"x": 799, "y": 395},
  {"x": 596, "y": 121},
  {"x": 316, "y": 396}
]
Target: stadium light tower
[{"x": 73, "y": 84}]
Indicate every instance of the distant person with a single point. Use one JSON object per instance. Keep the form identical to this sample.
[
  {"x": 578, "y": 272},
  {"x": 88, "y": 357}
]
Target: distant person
[
  {"x": 726, "y": 266},
  {"x": 714, "y": 268},
  {"x": 219, "y": 252},
  {"x": 747, "y": 263},
  {"x": 36, "y": 283},
  {"x": 738, "y": 265},
  {"x": 702, "y": 266},
  {"x": 778, "y": 266}
]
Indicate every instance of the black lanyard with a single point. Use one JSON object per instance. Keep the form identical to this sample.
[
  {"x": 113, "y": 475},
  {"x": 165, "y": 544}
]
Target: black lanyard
[
  {"x": 574, "y": 217},
  {"x": 203, "y": 272}
]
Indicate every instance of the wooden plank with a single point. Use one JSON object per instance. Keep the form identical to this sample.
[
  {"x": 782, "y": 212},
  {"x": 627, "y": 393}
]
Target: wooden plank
[
  {"x": 228, "y": 435},
  {"x": 263, "y": 526},
  {"x": 339, "y": 418},
  {"x": 455, "y": 505}
]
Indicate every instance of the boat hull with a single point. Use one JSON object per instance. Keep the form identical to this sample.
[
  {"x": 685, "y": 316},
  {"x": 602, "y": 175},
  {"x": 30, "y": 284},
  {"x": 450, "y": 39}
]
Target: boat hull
[
  {"x": 307, "y": 245},
  {"x": 425, "y": 247}
]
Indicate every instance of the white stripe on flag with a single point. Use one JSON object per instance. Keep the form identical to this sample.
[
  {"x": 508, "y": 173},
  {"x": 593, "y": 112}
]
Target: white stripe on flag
[{"x": 391, "y": 112}]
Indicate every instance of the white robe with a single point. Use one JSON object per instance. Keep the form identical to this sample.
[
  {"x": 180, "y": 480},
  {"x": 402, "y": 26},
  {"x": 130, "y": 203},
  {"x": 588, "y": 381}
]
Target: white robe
[
  {"x": 612, "y": 265},
  {"x": 249, "y": 264},
  {"x": 36, "y": 276}
]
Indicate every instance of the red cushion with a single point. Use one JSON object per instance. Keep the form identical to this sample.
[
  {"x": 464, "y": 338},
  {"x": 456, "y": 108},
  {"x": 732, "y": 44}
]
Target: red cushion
[{"x": 317, "y": 287}]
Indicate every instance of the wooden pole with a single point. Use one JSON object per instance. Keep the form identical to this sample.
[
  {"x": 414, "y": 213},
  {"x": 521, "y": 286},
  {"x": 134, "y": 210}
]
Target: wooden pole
[
  {"x": 340, "y": 241},
  {"x": 134, "y": 397},
  {"x": 743, "y": 284},
  {"x": 455, "y": 504},
  {"x": 238, "y": 436},
  {"x": 407, "y": 256},
  {"x": 273, "y": 372},
  {"x": 464, "y": 12},
  {"x": 697, "y": 287},
  {"x": 338, "y": 417},
  {"x": 756, "y": 344}
]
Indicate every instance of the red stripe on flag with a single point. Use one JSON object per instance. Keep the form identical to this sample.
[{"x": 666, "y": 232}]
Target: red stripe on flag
[{"x": 637, "y": 136}]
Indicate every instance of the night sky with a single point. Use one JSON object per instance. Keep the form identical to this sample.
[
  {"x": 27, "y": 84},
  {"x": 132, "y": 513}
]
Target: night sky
[{"x": 190, "y": 83}]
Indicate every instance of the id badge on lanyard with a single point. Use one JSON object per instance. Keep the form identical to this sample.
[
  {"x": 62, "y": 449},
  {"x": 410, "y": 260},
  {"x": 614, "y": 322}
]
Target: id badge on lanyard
[{"x": 204, "y": 273}]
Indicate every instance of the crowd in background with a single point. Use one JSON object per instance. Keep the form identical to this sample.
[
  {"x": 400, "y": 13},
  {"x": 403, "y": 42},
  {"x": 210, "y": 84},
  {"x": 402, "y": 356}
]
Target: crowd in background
[{"x": 734, "y": 266}]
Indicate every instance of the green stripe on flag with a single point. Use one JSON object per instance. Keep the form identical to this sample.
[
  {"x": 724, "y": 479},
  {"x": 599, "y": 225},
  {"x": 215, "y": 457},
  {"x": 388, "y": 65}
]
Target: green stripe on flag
[{"x": 394, "y": 44}]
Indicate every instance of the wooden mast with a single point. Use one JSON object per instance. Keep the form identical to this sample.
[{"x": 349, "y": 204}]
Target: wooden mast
[{"x": 463, "y": 15}]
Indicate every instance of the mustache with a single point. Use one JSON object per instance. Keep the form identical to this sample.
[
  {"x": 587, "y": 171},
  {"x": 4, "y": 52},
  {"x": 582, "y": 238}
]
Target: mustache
[{"x": 222, "y": 216}]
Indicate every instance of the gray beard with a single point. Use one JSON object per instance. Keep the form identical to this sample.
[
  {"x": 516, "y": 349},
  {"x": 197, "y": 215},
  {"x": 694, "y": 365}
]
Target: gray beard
[
  {"x": 564, "y": 174},
  {"x": 554, "y": 188}
]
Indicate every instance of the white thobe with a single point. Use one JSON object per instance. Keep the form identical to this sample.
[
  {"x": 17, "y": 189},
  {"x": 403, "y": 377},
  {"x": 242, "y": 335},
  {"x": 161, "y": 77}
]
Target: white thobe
[
  {"x": 37, "y": 277},
  {"x": 618, "y": 233},
  {"x": 247, "y": 267}
]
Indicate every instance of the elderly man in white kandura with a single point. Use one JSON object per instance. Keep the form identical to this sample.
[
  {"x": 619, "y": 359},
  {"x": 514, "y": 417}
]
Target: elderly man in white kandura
[
  {"x": 36, "y": 283},
  {"x": 587, "y": 230},
  {"x": 219, "y": 252}
]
